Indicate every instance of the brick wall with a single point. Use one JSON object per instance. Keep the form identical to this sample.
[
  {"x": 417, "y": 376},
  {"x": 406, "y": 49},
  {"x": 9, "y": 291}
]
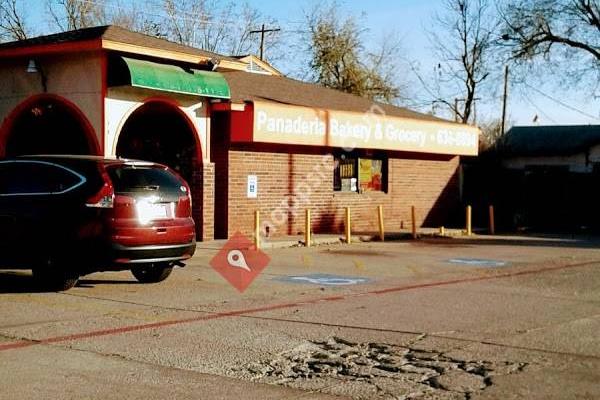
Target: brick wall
[
  {"x": 203, "y": 196},
  {"x": 290, "y": 182}
]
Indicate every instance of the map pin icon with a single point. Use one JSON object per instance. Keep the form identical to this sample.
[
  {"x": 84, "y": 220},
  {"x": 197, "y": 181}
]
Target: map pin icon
[{"x": 236, "y": 259}]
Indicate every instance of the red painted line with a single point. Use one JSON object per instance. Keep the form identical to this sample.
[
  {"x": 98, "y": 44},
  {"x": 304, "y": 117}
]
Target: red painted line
[
  {"x": 133, "y": 328},
  {"x": 483, "y": 278}
]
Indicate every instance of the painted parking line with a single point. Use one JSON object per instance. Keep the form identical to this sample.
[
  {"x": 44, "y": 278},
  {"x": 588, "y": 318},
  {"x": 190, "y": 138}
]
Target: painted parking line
[{"x": 162, "y": 324}]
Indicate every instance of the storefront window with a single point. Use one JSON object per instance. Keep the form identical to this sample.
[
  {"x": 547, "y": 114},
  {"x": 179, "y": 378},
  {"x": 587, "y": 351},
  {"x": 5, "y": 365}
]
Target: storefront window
[
  {"x": 345, "y": 178},
  {"x": 370, "y": 175},
  {"x": 359, "y": 174}
]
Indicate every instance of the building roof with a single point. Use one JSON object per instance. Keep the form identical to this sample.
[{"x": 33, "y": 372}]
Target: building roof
[
  {"x": 245, "y": 86},
  {"x": 549, "y": 140},
  {"x": 254, "y": 62},
  {"x": 112, "y": 33},
  {"x": 249, "y": 87}
]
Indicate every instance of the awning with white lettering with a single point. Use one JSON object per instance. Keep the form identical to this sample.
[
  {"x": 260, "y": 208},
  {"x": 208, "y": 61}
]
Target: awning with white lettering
[{"x": 172, "y": 78}]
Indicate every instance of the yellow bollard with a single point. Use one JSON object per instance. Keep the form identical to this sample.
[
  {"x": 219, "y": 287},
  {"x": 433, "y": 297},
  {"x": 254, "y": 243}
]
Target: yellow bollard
[
  {"x": 468, "y": 227},
  {"x": 257, "y": 229},
  {"x": 413, "y": 216},
  {"x": 348, "y": 227},
  {"x": 307, "y": 229},
  {"x": 442, "y": 231},
  {"x": 380, "y": 216},
  {"x": 492, "y": 221}
]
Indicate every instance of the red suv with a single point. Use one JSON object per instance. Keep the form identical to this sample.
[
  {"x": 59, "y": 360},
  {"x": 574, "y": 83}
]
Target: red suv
[{"x": 67, "y": 216}]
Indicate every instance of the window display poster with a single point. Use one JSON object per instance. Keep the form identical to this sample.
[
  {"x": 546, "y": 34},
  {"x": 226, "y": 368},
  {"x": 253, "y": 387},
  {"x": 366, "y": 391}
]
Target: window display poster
[{"x": 370, "y": 174}]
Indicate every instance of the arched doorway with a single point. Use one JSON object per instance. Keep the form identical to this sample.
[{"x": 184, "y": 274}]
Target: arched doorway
[
  {"x": 159, "y": 131},
  {"x": 47, "y": 125}
]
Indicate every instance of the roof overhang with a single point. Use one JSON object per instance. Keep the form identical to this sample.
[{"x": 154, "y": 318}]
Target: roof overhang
[
  {"x": 111, "y": 45},
  {"x": 52, "y": 48},
  {"x": 174, "y": 79},
  {"x": 169, "y": 54}
]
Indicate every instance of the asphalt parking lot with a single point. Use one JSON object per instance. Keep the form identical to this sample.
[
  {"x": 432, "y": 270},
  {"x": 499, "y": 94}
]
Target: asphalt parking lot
[{"x": 431, "y": 319}]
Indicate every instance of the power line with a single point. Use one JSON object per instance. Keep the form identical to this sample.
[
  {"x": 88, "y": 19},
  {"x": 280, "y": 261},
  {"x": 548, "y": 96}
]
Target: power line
[
  {"x": 528, "y": 99},
  {"x": 561, "y": 102}
]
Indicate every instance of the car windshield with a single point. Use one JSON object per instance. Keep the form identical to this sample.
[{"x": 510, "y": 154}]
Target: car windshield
[{"x": 128, "y": 178}]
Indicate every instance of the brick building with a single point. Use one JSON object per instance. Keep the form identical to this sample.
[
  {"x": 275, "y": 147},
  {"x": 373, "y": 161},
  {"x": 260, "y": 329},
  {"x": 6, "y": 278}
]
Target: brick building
[{"x": 245, "y": 137}]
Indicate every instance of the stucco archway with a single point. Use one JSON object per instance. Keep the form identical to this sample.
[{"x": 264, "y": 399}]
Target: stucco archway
[
  {"x": 47, "y": 124},
  {"x": 160, "y": 131}
]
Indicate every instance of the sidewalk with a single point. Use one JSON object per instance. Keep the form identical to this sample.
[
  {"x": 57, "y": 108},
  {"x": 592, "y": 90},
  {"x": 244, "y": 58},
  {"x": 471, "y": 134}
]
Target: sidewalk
[
  {"x": 458, "y": 235},
  {"x": 280, "y": 242}
]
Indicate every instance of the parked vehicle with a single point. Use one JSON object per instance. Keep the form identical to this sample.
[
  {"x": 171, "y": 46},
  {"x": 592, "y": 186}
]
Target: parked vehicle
[{"x": 67, "y": 216}]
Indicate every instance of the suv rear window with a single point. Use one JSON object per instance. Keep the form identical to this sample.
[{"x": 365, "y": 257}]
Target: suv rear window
[
  {"x": 36, "y": 178},
  {"x": 129, "y": 178}
]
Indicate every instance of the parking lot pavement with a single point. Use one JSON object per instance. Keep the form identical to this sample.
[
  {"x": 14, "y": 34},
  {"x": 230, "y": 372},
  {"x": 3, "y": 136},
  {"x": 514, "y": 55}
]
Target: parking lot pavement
[{"x": 444, "y": 319}]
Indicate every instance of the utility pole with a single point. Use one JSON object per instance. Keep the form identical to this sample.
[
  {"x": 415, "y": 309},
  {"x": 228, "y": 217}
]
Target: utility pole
[
  {"x": 504, "y": 100},
  {"x": 262, "y": 32},
  {"x": 475, "y": 100},
  {"x": 457, "y": 115},
  {"x": 455, "y": 110}
]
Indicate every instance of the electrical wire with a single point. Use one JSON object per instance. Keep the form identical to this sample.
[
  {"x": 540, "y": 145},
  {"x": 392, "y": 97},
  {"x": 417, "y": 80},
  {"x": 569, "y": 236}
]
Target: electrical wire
[
  {"x": 561, "y": 102},
  {"x": 528, "y": 99}
]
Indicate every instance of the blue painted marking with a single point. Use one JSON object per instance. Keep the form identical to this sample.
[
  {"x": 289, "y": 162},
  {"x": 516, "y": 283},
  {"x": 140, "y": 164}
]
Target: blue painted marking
[
  {"x": 477, "y": 262},
  {"x": 324, "y": 279}
]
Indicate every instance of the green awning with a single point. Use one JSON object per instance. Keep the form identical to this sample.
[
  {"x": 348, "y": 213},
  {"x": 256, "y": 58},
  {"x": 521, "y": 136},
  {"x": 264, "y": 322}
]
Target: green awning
[{"x": 171, "y": 78}]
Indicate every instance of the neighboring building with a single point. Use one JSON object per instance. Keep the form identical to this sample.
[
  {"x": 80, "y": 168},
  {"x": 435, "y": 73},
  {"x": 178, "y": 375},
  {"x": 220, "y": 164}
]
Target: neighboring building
[
  {"x": 573, "y": 148},
  {"x": 245, "y": 137},
  {"x": 540, "y": 177}
]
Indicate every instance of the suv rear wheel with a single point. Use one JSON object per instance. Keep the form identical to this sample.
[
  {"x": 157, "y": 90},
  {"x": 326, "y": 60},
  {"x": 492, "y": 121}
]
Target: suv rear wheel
[{"x": 152, "y": 273}]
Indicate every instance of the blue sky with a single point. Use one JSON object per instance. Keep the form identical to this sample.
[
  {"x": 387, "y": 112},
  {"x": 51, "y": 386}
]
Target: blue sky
[{"x": 410, "y": 19}]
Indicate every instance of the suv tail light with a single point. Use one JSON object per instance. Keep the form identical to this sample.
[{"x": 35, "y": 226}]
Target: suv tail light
[
  {"x": 184, "y": 207},
  {"x": 105, "y": 198},
  {"x": 184, "y": 203}
]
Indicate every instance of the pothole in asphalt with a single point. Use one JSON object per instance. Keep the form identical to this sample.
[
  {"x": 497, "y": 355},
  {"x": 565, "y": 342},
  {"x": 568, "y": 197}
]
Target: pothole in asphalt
[{"x": 378, "y": 370}]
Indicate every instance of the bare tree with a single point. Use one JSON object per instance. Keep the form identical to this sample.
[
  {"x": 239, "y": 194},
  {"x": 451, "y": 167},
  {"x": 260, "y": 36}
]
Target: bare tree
[
  {"x": 183, "y": 18},
  {"x": 491, "y": 134},
  {"x": 12, "y": 21},
  {"x": 135, "y": 17},
  {"x": 240, "y": 41},
  {"x": 69, "y": 15},
  {"x": 534, "y": 27},
  {"x": 339, "y": 60},
  {"x": 464, "y": 50},
  {"x": 565, "y": 34},
  {"x": 214, "y": 25}
]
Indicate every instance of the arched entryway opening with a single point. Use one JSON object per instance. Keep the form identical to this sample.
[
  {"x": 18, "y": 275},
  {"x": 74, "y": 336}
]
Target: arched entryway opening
[
  {"x": 160, "y": 131},
  {"x": 47, "y": 124}
]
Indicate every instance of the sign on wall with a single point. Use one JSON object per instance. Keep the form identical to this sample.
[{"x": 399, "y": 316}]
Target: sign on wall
[
  {"x": 276, "y": 123},
  {"x": 252, "y": 191}
]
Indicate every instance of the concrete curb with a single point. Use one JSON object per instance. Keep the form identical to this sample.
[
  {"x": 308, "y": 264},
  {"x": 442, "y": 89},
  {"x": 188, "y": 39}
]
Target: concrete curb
[
  {"x": 316, "y": 241},
  {"x": 327, "y": 240}
]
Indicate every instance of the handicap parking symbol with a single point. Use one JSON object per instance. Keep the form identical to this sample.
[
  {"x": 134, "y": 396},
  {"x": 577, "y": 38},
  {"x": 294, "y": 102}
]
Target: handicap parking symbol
[{"x": 324, "y": 279}]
